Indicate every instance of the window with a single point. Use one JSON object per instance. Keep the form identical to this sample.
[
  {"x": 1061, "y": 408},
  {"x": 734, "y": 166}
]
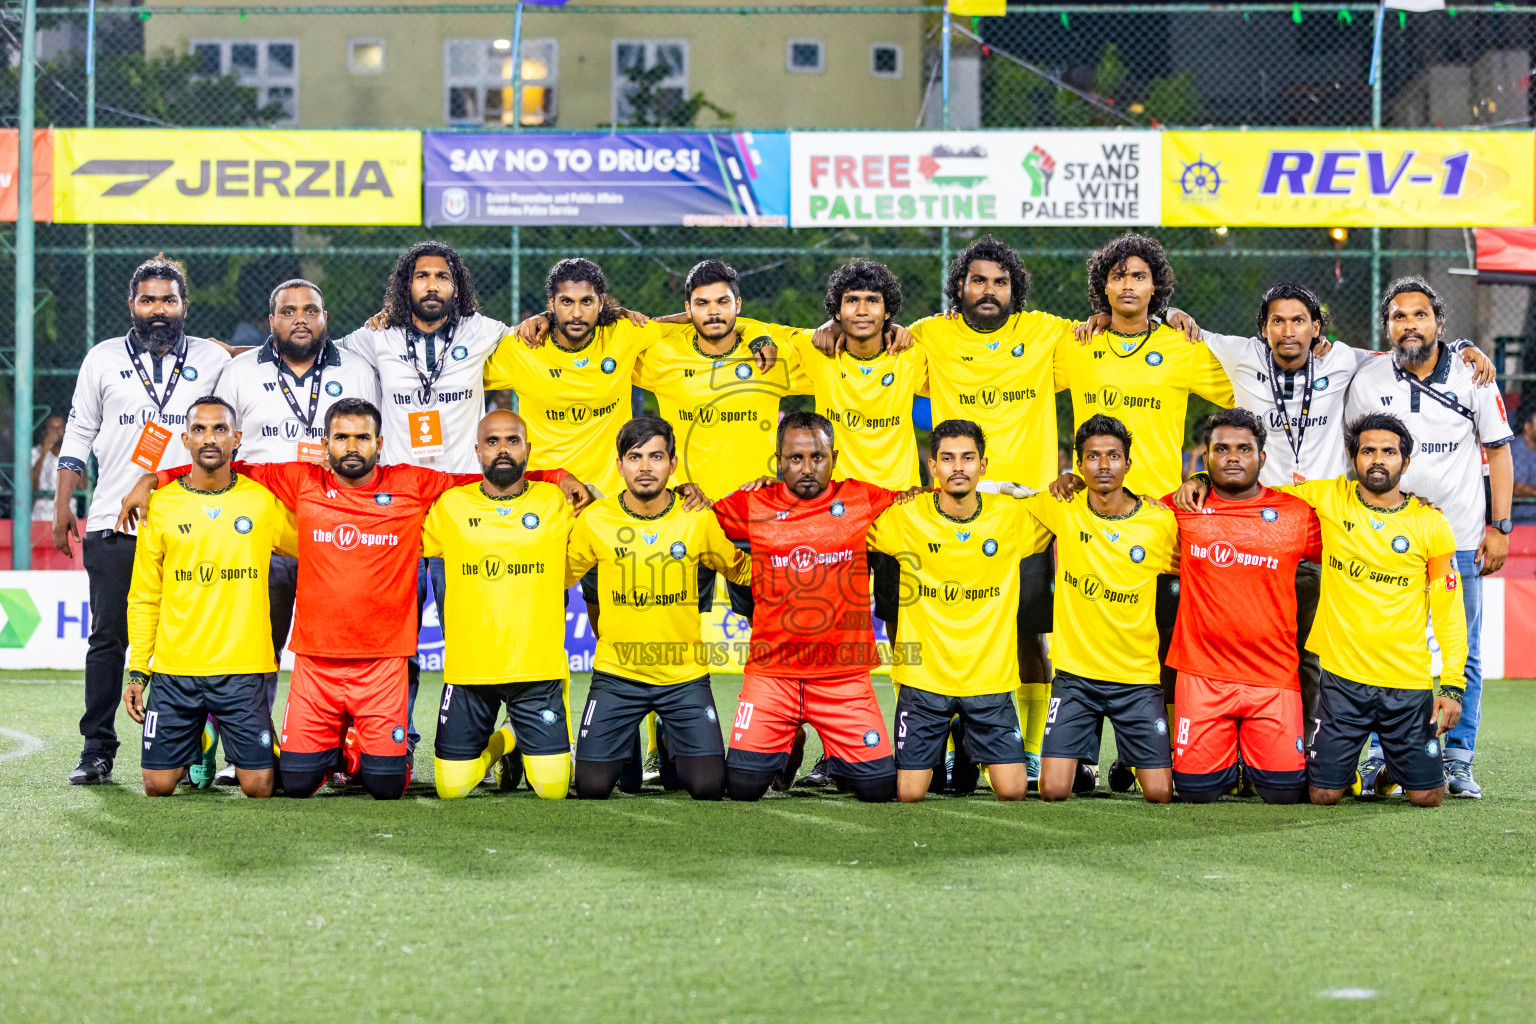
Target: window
[
  {"x": 805, "y": 55},
  {"x": 477, "y": 81},
  {"x": 270, "y": 66},
  {"x": 650, "y": 79},
  {"x": 885, "y": 60},
  {"x": 365, "y": 56}
]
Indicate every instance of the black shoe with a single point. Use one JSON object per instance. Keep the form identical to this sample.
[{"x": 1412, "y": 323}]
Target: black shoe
[
  {"x": 1122, "y": 777},
  {"x": 1087, "y": 779},
  {"x": 817, "y": 776},
  {"x": 508, "y": 770},
  {"x": 94, "y": 769}
]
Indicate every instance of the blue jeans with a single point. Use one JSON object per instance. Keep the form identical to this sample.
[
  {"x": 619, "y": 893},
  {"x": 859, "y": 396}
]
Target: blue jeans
[
  {"x": 427, "y": 569},
  {"x": 1461, "y": 741}
]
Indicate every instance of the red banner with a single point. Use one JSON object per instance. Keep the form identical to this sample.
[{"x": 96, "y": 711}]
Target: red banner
[{"x": 42, "y": 174}]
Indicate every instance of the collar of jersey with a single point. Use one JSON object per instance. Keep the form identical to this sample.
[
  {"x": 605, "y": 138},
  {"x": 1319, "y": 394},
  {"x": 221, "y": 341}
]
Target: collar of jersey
[
  {"x": 671, "y": 500},
  {"x": 968, "y": 519},
  {"x": 1140, "y": 501},
  {"x": 139, "y": 346},
  {"x": 1383, "y": 511},
  {"x": 1152, "y": 325},
  {"x": 865, "y": 359},
  {"x": 572, "y": 351},
  {"x": 234, "y": 478},
  {"x": 504, "y": 497},
  {"x": 329, "y": 355},
  {"x": 723, "y": 355}
]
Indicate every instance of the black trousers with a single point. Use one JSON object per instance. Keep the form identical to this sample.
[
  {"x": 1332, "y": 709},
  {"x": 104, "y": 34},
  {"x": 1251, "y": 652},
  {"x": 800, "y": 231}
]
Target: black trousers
[{"x": 108, "y": 560}]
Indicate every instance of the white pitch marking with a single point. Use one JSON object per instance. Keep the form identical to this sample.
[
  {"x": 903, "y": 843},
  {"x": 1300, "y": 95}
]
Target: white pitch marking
[{"x": 29, "y": 744}]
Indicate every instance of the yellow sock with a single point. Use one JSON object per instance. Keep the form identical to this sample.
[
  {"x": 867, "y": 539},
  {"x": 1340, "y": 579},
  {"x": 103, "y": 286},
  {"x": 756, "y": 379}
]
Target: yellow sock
[
  {"x": 548, "y": 774},
  {"x": 650, "y": 732},
  {"x": 457, "y": 779},
  {"x": 1034, "y": 704}
]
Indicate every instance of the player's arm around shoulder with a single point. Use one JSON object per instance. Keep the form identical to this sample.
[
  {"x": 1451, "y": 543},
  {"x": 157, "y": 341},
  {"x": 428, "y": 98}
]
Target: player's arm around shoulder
[
  {"x": 583, "y": 545},
  {"x": 145, "y": 589},
  {"x": 716, "y": 550}
]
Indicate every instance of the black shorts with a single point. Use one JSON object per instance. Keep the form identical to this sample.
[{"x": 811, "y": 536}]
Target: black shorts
[
  {"x": 885, "y": 585},
  {"x": 1074, "y": 726},
  {"x": 616, "y": 705},
  {"x": 466, "y": 718},
  {"x": 1348, "y": 712},
  {"x": 992, "y": 731},
  {"x": 1037, "y": 585},
  {"x": 177, "y": 707},
  {"x": 740, "y": 593}
]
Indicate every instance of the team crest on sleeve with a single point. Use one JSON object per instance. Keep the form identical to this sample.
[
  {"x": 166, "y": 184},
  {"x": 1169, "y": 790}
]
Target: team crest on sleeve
[
  {"x": 460, "y": 352},
  {"x": 1138, "y": 553},
  {"x": 243, "y": 525},
  {"x": 530, "y": 520},
  {"x": 872, "y": 738},
  {"x": 1400, "y": 544},
  {"x": 1321, "y": 384},
  {"x": 399, "y": 734},
  {"x": 678, "y": 550},
  {"x": 191, "y": 374},
  {"x": 1154, "y": 359},
  {"x": 383, "y": 498},
  {"x": 888, "y": 380},
  {"x": 333, "y": 388},
  {"x": 608, "y": 365},
  {"x": 837, "y": 508},
  {"x": 989, "y": 547},
  {"x": 1268, "y": 514},
  {"x": 1017, "y": 350}
]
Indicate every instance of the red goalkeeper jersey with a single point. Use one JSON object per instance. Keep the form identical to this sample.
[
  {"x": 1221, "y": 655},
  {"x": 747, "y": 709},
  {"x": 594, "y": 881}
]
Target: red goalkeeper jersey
[
  {"x": 358, "y": 548},
  {"x": 810, "y": 576},
  {"x": 1237, "y": 587}
]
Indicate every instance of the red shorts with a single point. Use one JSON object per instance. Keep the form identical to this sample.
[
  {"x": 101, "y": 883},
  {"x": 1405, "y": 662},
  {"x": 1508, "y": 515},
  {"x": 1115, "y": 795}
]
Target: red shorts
[
  {"x": 326, "y": 694},
  {"x": 843, "y": 710},
  {"x": 1212, "y": 719}
]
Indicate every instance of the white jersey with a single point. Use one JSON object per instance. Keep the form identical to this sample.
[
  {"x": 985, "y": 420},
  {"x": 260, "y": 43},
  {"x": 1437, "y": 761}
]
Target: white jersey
[
  {"x": 1321, "y": 434},
  {"x": 271, "y": 430},
  {"x": 457, "y": 394},
  {"x": 1447, "y": 462},
  {"x": 112, "y": 404}
]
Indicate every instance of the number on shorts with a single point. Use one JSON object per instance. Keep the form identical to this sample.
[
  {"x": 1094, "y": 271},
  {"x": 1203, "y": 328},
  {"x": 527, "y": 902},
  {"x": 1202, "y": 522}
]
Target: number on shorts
[
  {"x": 743, "y": 715},
  {"x": 1050, "y": 716},
  {"x": 447, "y": 696},
  {"x": 586, "y": 719},
  {"x": 150, "y": 718},
  {"x": 1317, "y": 726},
  {"x": 901, "y": 725},
  {"x": 1183, "y": 730}
]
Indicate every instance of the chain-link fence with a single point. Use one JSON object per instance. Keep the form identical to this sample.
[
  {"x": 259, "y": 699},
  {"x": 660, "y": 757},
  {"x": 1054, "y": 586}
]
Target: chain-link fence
[{"x": 794, "y": 65}]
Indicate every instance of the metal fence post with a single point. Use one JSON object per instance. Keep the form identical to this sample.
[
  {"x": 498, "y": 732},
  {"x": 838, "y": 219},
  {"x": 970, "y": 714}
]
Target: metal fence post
[
  {"x": 516, "y": 275},
  {"x": 944, "y": 45},
  {"x": 1376, "y": 339},
  {"x": 21, "y": 504},
  {"x": 90, "y": 229}
]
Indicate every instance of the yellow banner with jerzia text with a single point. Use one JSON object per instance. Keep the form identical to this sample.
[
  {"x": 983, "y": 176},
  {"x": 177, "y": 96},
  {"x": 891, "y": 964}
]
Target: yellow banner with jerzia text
[
  {"x": 1349, "y": 179},
  {"x": 120, "y": 176}
]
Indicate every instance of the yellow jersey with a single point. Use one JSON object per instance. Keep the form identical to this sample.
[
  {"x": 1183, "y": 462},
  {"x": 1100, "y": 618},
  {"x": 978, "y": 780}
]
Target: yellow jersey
[
  {"x": 1106, "y": 585},
  {"x": 723, "y": 409},
  {"x": 574, "y": 401},
  {"x": 1144, "y": 381},
  {"x": 957, "y": 633},
  {"x": 869, "y": 402},
  {"x": 197, "y": 603},
  {"x": 648, "y": 587},
  {"x": 1375, "y": 599},
  {"x": 1003, "y": 381},
  {"x": 504, "y": 559}
]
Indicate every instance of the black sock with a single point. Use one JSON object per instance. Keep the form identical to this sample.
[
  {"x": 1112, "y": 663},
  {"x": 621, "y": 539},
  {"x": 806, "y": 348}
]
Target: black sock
[
  {"x": 301, "y": 785},
  {"x": 595, "y": 779},
  {"x": 741, "y": 784},
  {"x": 384, "y": 787},
  {"x": 702, "y": 777},
  {"x": 881, "y": 790}
]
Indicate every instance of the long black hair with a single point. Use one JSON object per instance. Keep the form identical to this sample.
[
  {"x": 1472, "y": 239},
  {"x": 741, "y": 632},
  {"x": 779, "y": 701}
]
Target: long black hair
[
  {"x": 1114, "y": 254},
  {"x": 397, "y": 292}
]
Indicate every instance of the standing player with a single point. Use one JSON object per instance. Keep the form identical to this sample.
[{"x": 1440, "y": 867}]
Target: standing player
[
  {"x": 132, "y": 393},
  {"x": 959, "y": 555},
  {"x": 197, "y": 612},
  {"x": 1234, "y": 644},
  {"x": 650, "y": 654},
  {"x": 1110, "y": 550},
  {"x": 1388, "y": 566},
  {"x": 812, "y": 641},
  {"x": 1459, "y": 425},
  {"x": 503, "y": 541}
]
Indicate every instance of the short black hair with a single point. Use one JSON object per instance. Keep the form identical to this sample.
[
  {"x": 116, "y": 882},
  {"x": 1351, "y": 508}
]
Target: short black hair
[
  {"x": 1099, "y": 425},
  {"x": 641, "y": 429},
  {"x": 1114, "y": 254},
  {"x": 234, "y": 417},
  {"x": 1404, "y": 285},
  {"x": 1239, "y": 418},
  {"x": 712, "y": 272},
  {"x": 993, "y": 251},
  {"x": 1377, "y": 421},
  {"x": 1300, "y": 293},
  {"x": 355, "y": 407},
  {"x": 293, "y": 282},
  {"x": 803, "y": 419},
  {"x": 958, "y": 428},
  {"x": 577, "y": 268},
  {"x": 159, "y": 268},
  {"x": 863, "y": 276}
]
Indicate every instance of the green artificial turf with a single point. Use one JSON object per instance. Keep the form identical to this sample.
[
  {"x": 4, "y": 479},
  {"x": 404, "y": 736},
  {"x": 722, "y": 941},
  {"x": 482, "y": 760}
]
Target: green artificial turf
[{"x": 808, "y": 906}]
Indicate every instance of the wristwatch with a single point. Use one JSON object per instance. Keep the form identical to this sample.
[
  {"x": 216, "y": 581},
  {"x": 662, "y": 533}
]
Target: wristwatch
[{"x": 1504, "y": 526}]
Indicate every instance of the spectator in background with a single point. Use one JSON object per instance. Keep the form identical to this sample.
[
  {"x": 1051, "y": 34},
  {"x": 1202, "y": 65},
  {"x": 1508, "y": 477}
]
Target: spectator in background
[
  {"x": 48, "y": 439},
  {"x": 1523, "y": 449}
]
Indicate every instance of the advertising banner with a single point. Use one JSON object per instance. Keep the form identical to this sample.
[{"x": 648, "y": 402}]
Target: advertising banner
[
  {"x": 1349, "y": 179},
  {"x": 120, "y": 176},
  {"x": 695, "y": 179},
  {"x": 976, "y": 179},
  {"x": 42, "y": 174}
]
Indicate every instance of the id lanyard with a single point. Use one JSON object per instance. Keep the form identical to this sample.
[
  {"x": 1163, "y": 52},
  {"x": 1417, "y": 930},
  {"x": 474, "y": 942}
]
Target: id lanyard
[
  {"x": 1419, "y": 387},
  {"x": 1294, "y": 439},
  {"x": 424, "y": 394},
  {"x": 170, "y": 383},
  {"x": 314, "y": 391}
]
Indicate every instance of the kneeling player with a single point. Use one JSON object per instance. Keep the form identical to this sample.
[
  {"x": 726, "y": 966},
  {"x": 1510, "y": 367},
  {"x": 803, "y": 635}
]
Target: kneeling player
[
  {"x": 198, "y": 607},
  {"x": 1109, "y": 552},
  {"x": 957, "y": 634},
  {"x": 503, "y": 540},
  {"x": 1387, "y": 566},
  {"x": 1234, "y": 645},
  {"x": 650, "y": 653}
]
